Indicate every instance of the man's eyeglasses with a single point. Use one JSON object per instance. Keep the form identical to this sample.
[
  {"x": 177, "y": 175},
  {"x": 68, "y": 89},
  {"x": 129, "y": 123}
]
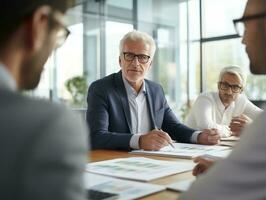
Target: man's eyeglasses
[
  {"x": 62, "y": 33},
  {"x": 142, "y": 58},
  {"x": 239, "y": 23},
  {"x": 226, "y": 86}
]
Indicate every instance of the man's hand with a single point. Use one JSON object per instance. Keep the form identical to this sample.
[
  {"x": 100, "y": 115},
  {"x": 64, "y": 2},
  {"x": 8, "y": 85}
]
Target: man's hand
[
  {"x": 203, "y": 164},
  {"x": 237, "y": 124},
  {"x": 209, "y": 136},
  {"x": 154, "y": 140}
]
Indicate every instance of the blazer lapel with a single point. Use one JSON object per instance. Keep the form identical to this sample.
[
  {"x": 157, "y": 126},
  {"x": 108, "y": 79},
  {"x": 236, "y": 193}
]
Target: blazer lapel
[
  {"x": 151, "y": 105},
  {"x": 123, "y": 97}
]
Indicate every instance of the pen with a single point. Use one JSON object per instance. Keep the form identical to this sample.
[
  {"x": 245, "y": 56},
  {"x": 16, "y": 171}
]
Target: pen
[{"x": 170, "y": 143}]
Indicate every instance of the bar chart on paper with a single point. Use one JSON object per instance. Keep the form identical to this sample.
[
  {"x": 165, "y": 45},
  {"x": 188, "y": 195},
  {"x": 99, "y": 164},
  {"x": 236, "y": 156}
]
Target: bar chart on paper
[
  {"x": 125, "y": 189},
  {"x": 139, "y": 168}
]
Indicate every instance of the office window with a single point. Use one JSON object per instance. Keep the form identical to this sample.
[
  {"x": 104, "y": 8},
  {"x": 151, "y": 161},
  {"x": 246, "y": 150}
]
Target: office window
[
  {"x": 115, "y": 31},
  {"x": 217, "y": 16},
  {"x": 170, "y": 33},
  {"x": 230, "y": 52},
  {"x": 62, "y": 65},
  {"x": 119, "y": 9},
  {"x": 220, "y": 47},
  {"x": 193, "y": 71},
  {"x": 98, "y": 26},
  {"x": 193, "y": 51},
  {"x": 192, "y": 46},
  {"x": 227, "y": 52}
]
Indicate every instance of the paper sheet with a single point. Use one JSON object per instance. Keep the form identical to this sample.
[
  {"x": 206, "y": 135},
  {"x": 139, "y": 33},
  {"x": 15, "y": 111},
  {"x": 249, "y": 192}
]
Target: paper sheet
[
  {"x": 125, "y": 189},
  {"x": 184, "y": 150},
  {"x": 139, "y": 168}
]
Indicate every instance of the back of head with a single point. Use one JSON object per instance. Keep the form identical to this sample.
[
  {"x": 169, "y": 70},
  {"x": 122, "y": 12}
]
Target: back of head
[
  {"x": 233, "y": 70},
  {"x": 255, "y": 34},
  {"x": 255, "y": 7},
  {"x": 138, "y": 36},
  {"x": 12, "y": 13}
]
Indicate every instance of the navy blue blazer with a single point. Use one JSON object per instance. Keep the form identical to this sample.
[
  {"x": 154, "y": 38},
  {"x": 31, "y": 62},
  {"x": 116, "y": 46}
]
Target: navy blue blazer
[{"x": 109, "y": 119}]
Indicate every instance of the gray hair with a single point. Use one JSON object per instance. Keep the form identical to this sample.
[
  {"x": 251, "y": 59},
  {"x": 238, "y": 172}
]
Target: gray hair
[
  {"x": 138, "y": 36},
  {"x": 233, "y": 70}
]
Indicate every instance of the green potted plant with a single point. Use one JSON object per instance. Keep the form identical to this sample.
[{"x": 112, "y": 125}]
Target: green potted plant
[
  {"x": 184, "y": 110},
  {"x": 77, "y": 87}
]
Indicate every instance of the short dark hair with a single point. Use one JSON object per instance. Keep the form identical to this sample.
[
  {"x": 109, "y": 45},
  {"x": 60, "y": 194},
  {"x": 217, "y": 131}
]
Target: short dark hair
[{"x": 13, "y": 13}]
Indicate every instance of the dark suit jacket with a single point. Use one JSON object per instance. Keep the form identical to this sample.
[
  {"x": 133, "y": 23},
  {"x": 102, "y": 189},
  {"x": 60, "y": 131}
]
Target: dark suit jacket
[{"x": 108, "y": 114}]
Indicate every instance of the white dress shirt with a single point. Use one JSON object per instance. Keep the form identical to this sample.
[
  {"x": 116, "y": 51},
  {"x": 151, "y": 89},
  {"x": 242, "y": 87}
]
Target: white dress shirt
[
  {"x": 209, "y": 112},
  {"x": 139, "y": 113}
]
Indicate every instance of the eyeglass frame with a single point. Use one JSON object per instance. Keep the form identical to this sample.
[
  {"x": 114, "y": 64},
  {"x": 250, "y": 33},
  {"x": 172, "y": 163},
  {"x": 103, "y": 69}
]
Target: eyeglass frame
[
  {"x": 230, "y": 86},
  {"x": 247, "y": 18},
  {"x": 60, "y": 38},
  {"x": 136, "y": 55}
]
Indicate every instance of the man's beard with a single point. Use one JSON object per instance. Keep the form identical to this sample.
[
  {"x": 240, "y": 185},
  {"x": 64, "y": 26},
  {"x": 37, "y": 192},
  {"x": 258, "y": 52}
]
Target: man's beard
[
  {"x": 31, "y": 73},
  {"x": 258, "y": 70}
]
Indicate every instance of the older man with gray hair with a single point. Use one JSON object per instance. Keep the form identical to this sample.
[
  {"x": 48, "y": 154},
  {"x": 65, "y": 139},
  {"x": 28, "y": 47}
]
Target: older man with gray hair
[
  {"x": 127, "y": 111},
  {"x": 227, "y": 110}
]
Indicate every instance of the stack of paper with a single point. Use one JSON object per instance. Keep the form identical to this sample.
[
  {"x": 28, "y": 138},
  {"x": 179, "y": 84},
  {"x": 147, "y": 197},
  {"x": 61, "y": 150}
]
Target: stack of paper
[
  {"x": 125, "y": 189},
  {"x": 139, "y": 168},
  {"x": 184, "y": 150},
  {"x": 229, "y": 141}
]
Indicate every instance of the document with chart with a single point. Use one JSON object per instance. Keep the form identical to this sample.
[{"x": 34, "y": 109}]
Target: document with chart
[
  {"x": 139, "y": 168},
  {"x": 184, "y": 150},
  {"x": 123, "y": 188}
]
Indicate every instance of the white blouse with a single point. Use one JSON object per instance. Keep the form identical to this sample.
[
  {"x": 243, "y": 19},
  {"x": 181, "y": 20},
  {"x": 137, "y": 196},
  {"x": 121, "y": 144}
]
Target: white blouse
[{"x": 209, "y": 112}]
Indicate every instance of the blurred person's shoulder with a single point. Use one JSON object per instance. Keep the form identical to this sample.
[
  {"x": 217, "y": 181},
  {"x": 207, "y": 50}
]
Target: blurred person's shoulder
[
  {"x": 26, "y": 121},
  {"x": 35, "y": 113}
]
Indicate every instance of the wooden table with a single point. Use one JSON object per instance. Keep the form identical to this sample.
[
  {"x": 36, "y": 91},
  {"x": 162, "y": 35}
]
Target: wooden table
[{"x": 100, "y": 155}]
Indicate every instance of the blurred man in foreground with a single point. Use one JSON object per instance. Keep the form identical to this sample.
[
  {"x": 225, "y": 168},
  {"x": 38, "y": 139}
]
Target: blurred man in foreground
[
  {"x": 243, "y": 174},
  {"x": 42, "y": 146}
]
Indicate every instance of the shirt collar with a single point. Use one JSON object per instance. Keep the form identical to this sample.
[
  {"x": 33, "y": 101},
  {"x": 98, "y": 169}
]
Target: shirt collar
[
  {"x": 6, "y": 79},
  {"x": 130, "y": 90}
]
